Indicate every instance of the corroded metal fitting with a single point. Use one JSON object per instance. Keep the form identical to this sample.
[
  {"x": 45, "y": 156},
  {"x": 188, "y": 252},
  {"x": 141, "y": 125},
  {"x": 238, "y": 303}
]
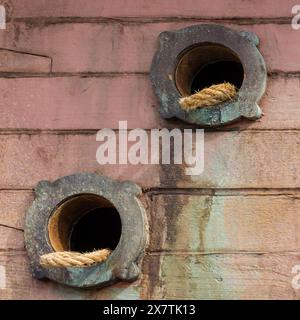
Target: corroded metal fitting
[
  {"x": 58, "y": 206},
  {"x": 182, "y": 54}
]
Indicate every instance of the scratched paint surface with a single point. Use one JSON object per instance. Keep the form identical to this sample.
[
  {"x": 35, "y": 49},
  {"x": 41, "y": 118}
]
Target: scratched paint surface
[{"x": 231, "y": 233}]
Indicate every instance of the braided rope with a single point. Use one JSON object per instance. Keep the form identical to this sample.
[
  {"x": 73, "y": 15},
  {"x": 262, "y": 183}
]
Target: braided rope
[
  {"x": 74, "y": 259},
  {"x": 207, "y": 97}
]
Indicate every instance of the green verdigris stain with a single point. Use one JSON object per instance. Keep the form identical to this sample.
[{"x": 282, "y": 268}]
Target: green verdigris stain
[
  {"x": 215, "y": 236},
  {"x": 195, "y": 272},
  {"x": 200, "y": 224}
]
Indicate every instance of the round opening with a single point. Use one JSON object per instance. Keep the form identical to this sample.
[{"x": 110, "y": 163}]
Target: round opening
[
  {"x": 84, "y": 223},
  {"x": 205, "y": 65}
]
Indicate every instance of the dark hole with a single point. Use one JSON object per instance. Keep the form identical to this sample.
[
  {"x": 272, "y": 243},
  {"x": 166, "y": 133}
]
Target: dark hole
[
  {"x": 218, "y": 72},
  {"x": 100, "y": 228}
]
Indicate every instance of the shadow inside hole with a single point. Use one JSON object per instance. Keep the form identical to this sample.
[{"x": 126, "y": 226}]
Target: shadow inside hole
[
  {"x": 98, "y": 229},
  {"x": 218, "y": 72},
  {"x": 84, "y": 223},
  {"x": 207, "y": 64}
]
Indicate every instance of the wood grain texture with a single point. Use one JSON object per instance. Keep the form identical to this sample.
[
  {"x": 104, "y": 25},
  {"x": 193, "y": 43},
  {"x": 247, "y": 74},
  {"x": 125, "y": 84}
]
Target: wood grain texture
[
  {"x": 192, "y": 223},
  {"x": 58, "y": 155},
  {"x": 14, "y": 204},
  {"x": 246, "y": 159},
  {"x": 11, "y": 239},
  {"x": 226, "y": 276},
  {"x": 225, "y": 223},
  {"x": 238, "y": 276},
  {"x": 19, "y": 62},
  {"x": 117, "y": 47},
  {"x": 76, "y": 103},
  {"x": 155, "y": 8},
  {"x": 79, "y": 66},
  {"x": 70, "y": 103}
]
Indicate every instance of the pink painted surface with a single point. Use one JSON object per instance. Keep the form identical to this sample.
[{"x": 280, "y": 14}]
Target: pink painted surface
[
  {"x": 56, "y": 155},
  {"x": 14, "y": 204},
  {"x": 114, "y": 47},
  {"x": 246, "y": 222},
  {"x": 154, "y": 8},
  {"x": 76, "y": 103},
  {"x": 243, "y": 160},
  {"x": 11, "y": 61},
  {"x": 229, "y": 233},
  {"x": 88, "y": 103}
]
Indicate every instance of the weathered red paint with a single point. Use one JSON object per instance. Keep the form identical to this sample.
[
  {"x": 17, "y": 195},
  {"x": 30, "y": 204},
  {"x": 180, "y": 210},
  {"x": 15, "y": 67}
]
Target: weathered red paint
[
  {"x": 71, "y": 103},
  {"x": 230, "y": 233},
  {"x": 155, "y": 8},
  {"x": 126, "y": 47}
]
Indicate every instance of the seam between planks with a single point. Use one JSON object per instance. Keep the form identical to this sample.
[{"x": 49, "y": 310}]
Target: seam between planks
[{"x": 44, "y": 20}]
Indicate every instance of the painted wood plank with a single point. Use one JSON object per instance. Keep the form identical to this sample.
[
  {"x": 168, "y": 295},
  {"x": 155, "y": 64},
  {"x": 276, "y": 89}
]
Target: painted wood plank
[
  {"x": 14, "y": 61},
  {"x": 191, "y": 223},
  {"x": 76, "y": 103},
  {"x": 225, "y": 223},
  {"x": 239, "y": 276},
  {"x": 19, "y": 284},
  {"x": 246, "y": 159},
  {"x": 13, "y": 205},
  {"x": 118, "y": 47},
  {"x": 57, "y": 155},
  {"x": 155, "y": 8},
  {"x": 11, "y": 239},
  {"x": 94, "y": 103}
]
